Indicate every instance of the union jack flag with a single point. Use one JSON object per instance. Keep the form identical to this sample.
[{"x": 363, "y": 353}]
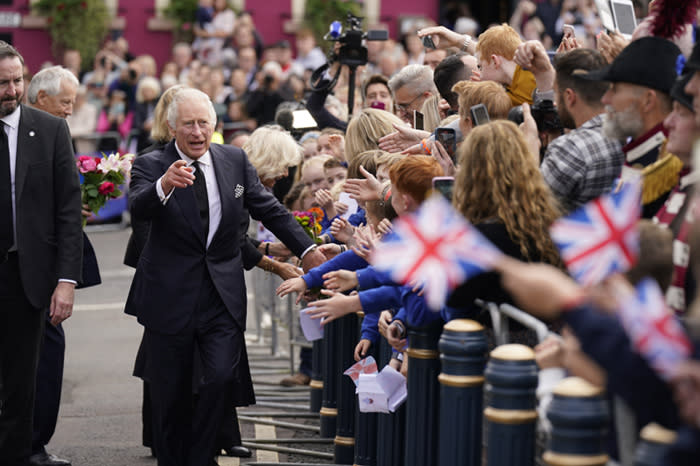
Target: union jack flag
[
  {"x": 365, "y": 366},
  {"x": 653, "y": 329},
  {"x": 436, "y": 248},
  {"x": 601, "y": 237}
]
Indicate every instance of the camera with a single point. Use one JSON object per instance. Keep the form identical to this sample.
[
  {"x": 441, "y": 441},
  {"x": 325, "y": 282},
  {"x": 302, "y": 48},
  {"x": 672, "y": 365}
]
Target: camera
[
  {"x": 543, "y": 112},
  {"x": 352, "y": 52}
]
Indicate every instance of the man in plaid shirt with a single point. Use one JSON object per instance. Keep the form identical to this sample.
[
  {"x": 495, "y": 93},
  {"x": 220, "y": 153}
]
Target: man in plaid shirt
[{"x": 583, "y": 164}]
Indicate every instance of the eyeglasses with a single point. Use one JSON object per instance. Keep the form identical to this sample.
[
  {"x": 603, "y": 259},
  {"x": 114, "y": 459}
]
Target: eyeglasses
[{"x": 403, "y": 108}]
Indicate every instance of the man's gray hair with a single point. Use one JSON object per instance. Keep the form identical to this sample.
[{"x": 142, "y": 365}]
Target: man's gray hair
[
  {"x": 49, "y": 80},
  {"x": 189, "y": 94},
  {"x": 418, "y": 77}
]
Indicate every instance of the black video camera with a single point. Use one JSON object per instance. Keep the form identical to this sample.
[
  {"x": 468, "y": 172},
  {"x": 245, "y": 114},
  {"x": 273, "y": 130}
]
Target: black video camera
[{"x": 352, "y": 52}]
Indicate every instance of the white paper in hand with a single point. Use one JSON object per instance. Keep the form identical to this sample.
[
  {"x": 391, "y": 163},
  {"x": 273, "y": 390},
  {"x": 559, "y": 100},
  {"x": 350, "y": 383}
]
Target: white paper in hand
[
  {"x": 311, "y": 327},
  {"x": 394, "y": 385},
  {"x": 383, "y": 392},
  {"x": 370, "y": 395},
  {"x": 350, "y": 202}
]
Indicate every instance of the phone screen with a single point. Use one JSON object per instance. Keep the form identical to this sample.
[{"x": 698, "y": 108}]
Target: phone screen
[
  {"x": 444, "y": 185},
  {"x": 418, "y": 120},
  {"x": 624, "y": 17},
  {"x": 302, "y": 119},
  {"x": 448, "y": 139}
]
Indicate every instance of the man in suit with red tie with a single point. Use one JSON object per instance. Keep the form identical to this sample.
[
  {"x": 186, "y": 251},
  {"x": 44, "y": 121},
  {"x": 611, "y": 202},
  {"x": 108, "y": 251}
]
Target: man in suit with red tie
[
  {"x": 189, "y": 289},
  {"x": 41, "y": 247}
]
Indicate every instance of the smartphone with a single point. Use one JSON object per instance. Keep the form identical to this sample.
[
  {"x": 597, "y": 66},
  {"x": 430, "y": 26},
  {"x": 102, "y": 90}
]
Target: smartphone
[
  {"x": 479, "y": 114},
  {"x": 444, "y": 185},
  {"x": 568, "y": 30},
  {"x": 448, "y": 138},
  {"x": 428, "y": 42},
  {"x": 623, "y": 15},
  {"x": 418, "y": 122},
  {"x": 605, "y": 14},
  {"x": 377, "y": 104}
]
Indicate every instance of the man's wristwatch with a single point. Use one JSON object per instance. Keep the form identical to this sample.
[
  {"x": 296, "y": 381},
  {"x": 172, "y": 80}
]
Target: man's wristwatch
[{"x": 467, "y": 42}]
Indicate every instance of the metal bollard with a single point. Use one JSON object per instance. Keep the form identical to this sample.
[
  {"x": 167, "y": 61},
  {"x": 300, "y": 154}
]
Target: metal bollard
[
  {"x": 653, "y": 445},
  {"x": 329, "y": 406},
  {"x": 463, "y": 347},
  {"x": 580, "y": 418},
  {"x": 366, "y": 424},
  {"x": 511, "y": 381},
  {"x": 391, "y": 428},
  {"x": 423, "y": 402},
  {"x": 347, "y": 400},
  {"x": 316, "y": 384}
]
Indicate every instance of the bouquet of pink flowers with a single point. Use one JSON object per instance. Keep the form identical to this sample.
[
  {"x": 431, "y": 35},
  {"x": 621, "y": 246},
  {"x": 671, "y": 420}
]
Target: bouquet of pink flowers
[{"x": 102, "y": 177}]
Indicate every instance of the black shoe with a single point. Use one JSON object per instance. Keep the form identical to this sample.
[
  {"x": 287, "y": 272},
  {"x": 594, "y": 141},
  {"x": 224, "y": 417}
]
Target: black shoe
[
  {"x": 238, "y": 451},
  {"x": 45, "y": 459}
]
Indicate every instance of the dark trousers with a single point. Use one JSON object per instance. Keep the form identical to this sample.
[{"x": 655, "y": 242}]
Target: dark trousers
[
  {"x": 185, "y": 432},
  {"x": 229, "y": 433},
  {"x": 21, "y": 327},
  {"x": 49, "y": 379}
]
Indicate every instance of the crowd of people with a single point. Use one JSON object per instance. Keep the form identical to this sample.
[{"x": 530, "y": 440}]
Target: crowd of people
[{"x": 573, "y": 114}]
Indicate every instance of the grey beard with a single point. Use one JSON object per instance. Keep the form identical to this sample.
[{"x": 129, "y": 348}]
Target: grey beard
[{"x": 622, "y": 125}]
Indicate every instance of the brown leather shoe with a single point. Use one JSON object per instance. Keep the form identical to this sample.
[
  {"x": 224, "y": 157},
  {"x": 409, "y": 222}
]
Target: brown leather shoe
[{"x": 296, "y": 379}]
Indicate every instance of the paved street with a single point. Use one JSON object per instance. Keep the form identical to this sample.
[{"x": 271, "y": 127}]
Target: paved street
[{"x": 100, "y": 417}]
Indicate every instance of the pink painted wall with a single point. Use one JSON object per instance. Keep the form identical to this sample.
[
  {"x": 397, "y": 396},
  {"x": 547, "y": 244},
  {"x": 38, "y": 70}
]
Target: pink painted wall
[
  {"x": 141, "y": 40},
  {"x": 35, "y": 44}
]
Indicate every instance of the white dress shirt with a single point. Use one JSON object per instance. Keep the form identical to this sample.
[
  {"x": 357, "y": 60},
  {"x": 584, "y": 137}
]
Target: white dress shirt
[
  {"x": 11, "y": 129},
  {"x": 207, "y": 167}
]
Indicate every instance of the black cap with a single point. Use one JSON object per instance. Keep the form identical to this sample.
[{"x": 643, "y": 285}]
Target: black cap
[
  {"x": 693, "y": 62},
  {"x": 678, "y": 93},
  {"x": 648, "y": 62}
]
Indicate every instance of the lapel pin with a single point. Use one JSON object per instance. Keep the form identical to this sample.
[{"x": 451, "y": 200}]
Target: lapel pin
[{"x": 32, "y": 133}]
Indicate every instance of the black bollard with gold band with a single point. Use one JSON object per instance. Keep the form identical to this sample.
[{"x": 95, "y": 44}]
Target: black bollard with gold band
[
  {"x": 391, "y": 428},
  {"x": 463, "y": 348},
  {"x": 511, "y": 381},
  {"x": 316, "y": 384},
  {"x": 580, "y": 418},
  {"x": 331, "y": 371},
  {"x": 654, "y": 443},
  {"x": 347, "y": 400},
  {"x": 365, "y": 423},
  {"x": 423, "y": 402}
]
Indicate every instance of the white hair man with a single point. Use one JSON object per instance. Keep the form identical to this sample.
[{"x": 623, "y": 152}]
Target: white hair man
[{"x": 411, "y": 87}]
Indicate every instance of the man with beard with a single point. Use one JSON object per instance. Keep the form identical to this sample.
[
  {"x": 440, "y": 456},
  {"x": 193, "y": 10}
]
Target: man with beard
[
  {"x": 41, "y": 247},
  {"x": 53, "y": 90},
  {"x": 637, "y": 103},
  {"x": 583, "y": 164}
]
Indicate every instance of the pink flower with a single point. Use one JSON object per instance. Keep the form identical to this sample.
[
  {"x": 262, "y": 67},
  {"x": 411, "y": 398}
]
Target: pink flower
[
  {"x": 106, "y": 188},
  {"x": 86, "y": 164},
  {"x": 186, "y": 26}
]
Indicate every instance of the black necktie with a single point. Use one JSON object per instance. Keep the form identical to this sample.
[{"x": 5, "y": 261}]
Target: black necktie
[
  {"x": 200, "y": 192},
  {"x": 6, "y": 222}
]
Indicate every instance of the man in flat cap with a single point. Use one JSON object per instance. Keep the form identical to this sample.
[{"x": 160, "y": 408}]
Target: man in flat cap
[{"x": 637, "y": 103}]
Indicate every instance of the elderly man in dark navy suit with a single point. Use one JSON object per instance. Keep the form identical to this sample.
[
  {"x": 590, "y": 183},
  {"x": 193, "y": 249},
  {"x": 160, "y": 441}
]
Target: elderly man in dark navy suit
[{"x": 189, "y": 290}]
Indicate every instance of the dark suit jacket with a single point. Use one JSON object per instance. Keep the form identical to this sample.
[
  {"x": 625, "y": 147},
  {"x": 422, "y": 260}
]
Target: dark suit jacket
[
  {"x": 47, "y": 196},
  {"x": 166, "y": 285}
]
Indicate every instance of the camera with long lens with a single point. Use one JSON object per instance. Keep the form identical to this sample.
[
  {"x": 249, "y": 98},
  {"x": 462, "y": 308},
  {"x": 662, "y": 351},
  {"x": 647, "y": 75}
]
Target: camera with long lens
[{"x": 351, "y": 53}]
